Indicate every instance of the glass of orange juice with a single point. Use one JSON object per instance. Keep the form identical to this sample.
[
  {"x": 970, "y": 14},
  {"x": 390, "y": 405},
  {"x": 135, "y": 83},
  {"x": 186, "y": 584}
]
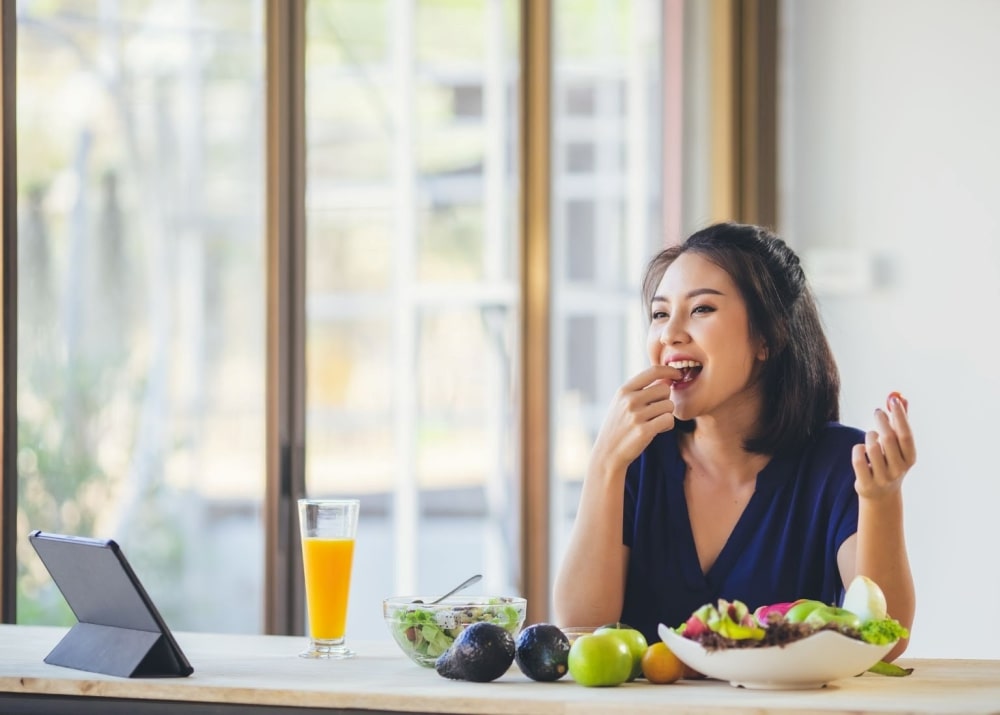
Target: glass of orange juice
[{"x": 328, "y": 528}]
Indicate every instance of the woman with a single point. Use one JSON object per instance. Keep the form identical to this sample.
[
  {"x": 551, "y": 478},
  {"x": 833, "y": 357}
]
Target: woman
[{"x": 720, "y": 471}]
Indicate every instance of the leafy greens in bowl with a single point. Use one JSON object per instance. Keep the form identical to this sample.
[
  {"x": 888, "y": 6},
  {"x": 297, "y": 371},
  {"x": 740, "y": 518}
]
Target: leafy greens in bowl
[{"x": 424, "y": 631}]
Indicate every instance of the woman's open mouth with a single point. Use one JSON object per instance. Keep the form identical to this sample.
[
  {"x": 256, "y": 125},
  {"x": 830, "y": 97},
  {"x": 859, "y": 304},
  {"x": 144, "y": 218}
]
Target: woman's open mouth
[{"x": 690, "y": 369}]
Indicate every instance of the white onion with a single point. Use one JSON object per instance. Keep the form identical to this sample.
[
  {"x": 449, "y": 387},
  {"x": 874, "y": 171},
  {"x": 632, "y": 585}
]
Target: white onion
[{"x": 865, "y": 599}]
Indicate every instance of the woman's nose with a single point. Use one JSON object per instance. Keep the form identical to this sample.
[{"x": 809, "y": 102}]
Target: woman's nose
[{"x": 673, "y": 331}]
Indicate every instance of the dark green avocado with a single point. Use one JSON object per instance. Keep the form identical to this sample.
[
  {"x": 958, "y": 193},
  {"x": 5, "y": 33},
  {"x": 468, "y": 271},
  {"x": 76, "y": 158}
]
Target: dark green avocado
[
  {"x": 542, "y": 652},
  {"x": 481, "y": 653}
]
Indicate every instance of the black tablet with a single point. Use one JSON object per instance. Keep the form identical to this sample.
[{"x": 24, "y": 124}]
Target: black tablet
[{"x": 119, "y": 631}]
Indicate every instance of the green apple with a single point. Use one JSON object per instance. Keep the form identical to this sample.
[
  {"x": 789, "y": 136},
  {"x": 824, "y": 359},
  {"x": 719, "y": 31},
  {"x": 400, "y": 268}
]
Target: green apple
[
  {"x": 801, "y": 609},
  {"x": 600, "y": 659},
  {"x": 826, "y": 615},
  {"x": 633, "y": 639}
]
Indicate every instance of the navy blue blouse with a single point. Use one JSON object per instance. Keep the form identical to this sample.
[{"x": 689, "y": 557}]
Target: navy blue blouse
[{"x": 783, "y": 547}]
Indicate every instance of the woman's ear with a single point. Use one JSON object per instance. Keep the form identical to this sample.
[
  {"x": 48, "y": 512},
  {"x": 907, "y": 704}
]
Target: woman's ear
[{"x": 762, "y": 353}]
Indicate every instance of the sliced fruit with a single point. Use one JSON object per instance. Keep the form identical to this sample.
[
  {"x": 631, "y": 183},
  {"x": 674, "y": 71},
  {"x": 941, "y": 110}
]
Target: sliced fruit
[
  {"x": 730, "y": 619},
  {"x": 697, "y": 623},
  {"x": 827, "y": 615},
  {"x": 764, "y": 614},
  {"x": 801, "y": 609}
]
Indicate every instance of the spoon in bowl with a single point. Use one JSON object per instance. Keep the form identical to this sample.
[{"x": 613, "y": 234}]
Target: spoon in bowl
[{"x": 465, "y": 584}]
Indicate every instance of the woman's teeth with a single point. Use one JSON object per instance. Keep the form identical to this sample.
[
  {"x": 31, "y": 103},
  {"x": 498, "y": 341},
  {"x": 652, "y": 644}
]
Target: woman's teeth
[
  {"x": 680, "y": 364},
  {"x": 689, "y": 369}
]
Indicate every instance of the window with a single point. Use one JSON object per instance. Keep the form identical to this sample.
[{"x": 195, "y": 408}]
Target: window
[
  {"x": 607, "y": 90},
  {"x": 411, "y": 316},
  {"x": 141, "y": 296},
  {"x": 142, "y": 332}
]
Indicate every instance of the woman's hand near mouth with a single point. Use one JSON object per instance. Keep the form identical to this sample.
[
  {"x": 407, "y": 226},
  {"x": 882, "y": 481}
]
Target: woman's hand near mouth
[{"x": 640, "y": 410}]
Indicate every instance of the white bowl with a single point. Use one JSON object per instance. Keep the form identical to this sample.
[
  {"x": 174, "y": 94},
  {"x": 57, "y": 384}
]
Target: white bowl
[{"x": 811, "y": 662}]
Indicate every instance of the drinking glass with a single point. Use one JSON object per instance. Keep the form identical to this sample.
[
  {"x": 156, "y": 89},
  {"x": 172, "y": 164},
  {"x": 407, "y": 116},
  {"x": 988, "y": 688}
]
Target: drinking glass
[{"x": 328, "y": 528}]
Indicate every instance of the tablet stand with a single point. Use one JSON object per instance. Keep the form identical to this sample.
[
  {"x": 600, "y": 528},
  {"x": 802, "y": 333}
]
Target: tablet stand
[
  {"x": 123, "y": 652},
  {"x": 118, "y": 631}
]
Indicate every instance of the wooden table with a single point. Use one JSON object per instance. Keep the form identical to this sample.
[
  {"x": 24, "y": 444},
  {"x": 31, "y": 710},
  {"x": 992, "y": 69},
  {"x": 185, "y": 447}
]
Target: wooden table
[{"x": 262, "y": 674}]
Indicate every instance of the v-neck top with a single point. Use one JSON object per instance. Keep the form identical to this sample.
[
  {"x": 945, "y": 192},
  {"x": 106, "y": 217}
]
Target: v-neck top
[{"x": 783, "y": 547}]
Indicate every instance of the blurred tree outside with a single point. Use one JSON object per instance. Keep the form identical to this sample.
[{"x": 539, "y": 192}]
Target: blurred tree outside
[{"x": 135, "y": 247}]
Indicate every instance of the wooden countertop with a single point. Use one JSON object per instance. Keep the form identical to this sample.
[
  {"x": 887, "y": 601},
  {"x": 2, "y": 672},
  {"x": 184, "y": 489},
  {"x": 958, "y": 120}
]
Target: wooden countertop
[{"x": 265, "y": 670}]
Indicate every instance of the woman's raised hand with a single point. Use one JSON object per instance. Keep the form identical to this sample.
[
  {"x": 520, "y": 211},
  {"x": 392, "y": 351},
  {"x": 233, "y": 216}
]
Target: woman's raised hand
[
  {"x": 640, "y": 410},
  {"x": 887, "y": 454}
]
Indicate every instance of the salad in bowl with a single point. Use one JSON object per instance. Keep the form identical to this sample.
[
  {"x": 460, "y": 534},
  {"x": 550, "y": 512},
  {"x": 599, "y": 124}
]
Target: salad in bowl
[
  {"x": 800, "y": 644},
  {"x": 424, "y": 631}
]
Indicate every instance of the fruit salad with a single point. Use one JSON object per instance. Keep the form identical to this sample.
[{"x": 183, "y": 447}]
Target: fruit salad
[{"x": 731, "y": 624}]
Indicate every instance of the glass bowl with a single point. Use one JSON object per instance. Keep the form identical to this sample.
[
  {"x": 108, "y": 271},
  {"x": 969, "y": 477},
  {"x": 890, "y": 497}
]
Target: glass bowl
[
  {"x": 424, "y": 632},
  {"x": 574, "y": 632}
]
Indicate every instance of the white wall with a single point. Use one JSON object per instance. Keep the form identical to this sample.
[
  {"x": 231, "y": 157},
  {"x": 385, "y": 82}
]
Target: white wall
[{"x": 891, "y": 156}]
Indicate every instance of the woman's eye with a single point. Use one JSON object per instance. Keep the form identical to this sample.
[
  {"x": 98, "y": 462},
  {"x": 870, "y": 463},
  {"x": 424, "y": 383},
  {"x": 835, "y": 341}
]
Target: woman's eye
[
  {"x": 659, "y": 315},
  {"x": 703, "y": 309}
]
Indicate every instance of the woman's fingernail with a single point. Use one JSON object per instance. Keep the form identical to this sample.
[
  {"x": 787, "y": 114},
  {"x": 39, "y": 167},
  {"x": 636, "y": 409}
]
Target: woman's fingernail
[{"x": 896, "y": 400}]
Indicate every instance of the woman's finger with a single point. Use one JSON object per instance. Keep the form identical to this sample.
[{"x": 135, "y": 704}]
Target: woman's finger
[
  {"x": 876, "y": 458},
  {"x": 900, "y": 419},
  {"x": 862, "y": 470},
  {"x": 889, "y": 443}
]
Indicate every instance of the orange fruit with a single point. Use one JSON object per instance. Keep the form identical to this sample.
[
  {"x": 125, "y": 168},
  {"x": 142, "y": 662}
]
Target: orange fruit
[{"x": 660, "y": 665}]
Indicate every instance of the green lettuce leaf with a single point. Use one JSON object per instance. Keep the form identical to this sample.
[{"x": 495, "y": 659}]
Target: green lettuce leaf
[{"x": 883, "y": 632}]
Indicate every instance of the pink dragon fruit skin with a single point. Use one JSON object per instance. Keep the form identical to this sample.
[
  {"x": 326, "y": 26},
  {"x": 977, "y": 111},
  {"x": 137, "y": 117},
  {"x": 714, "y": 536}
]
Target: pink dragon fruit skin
[
  {"x": 698, "y": 622},
  {"x": 764, "y": 613}
]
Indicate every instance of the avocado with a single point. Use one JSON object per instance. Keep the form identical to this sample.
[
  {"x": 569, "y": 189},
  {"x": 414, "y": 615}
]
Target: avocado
[
  {"x": 481, "y": 653},
  {"x": 542, "y": 652}
]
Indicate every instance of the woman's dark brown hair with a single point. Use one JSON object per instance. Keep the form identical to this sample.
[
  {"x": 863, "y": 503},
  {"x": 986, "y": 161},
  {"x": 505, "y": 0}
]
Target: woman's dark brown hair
[{"x": 799, "y": 380}]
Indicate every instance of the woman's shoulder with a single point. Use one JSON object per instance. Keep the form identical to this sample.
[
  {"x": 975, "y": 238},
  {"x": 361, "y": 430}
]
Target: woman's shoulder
[
  {"x": 827, "y": 459},
  {"x": 834, "y": 437}
]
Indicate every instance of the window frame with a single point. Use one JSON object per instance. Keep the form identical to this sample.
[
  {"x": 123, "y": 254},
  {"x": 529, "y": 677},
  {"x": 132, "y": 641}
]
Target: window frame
[{"x": 8, "y": 311}]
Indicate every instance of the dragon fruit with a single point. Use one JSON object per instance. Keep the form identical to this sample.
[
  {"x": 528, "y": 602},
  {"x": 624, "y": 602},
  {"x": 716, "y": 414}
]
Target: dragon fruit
[
  {"x": 776, "y": 611},
  {"x": 730, "y": 619}
]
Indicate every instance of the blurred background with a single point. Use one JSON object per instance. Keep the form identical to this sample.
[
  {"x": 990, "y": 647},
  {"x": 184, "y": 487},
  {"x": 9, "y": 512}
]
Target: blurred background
[{"x": 142, "y": 263}]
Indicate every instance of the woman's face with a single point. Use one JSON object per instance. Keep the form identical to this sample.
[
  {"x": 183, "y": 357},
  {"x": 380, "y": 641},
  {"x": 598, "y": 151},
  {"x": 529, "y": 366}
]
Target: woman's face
[{"x": 700, "y": 325}]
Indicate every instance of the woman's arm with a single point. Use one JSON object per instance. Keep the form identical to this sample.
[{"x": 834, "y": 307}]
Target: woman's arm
[
  {"x": 590, "y": 584},
  {"x": 880, "y": 545}
]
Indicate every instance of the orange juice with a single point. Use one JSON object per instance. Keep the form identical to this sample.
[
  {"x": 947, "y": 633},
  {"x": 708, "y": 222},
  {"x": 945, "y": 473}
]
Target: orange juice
[{"x": 327, "y": 565}]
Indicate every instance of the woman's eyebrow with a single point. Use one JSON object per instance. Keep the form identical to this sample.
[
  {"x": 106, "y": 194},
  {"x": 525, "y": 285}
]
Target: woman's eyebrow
[{"x": 692, "y": 294}]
